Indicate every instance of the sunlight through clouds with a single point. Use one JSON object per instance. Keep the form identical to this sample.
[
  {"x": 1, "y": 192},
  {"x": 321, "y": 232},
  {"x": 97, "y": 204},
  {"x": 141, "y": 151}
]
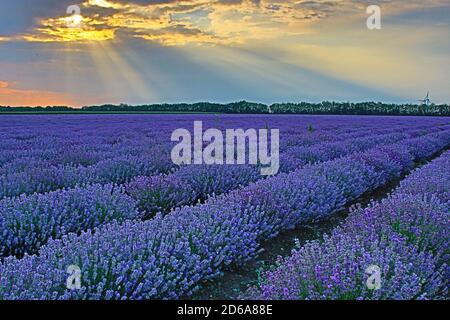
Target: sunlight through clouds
[
  {"x": 202, "y": 21},
  {"x": 188, "y": 50},
  {"x": 182, "y": 22}
]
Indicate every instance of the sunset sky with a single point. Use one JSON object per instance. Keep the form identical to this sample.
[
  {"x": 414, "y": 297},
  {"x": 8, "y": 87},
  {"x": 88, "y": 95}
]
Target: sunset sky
[{"x": 221, "y": 51}]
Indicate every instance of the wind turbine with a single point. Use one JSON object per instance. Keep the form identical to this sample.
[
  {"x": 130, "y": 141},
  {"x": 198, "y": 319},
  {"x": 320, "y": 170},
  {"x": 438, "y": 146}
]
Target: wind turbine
[{"x": 426, "y": 101}]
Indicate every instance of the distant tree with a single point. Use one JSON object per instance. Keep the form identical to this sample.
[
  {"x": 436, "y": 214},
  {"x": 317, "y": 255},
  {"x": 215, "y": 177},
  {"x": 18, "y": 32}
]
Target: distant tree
[{"x": 326, "y": 107}]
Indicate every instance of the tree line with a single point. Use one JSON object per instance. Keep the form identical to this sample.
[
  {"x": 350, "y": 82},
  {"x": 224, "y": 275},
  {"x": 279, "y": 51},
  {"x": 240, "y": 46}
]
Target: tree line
[{"x": 244, "y": 107}]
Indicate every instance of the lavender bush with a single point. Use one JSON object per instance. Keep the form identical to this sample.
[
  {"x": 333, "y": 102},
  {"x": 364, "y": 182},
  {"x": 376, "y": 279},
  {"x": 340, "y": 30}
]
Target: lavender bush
[
  {"x": 160, "y": 193},
  {"x": 171, "y": 255},
  {"x": 121, "y": 157},
  {"x": 406, "y": 235},
  {"x": 168, "y": 257},
  {"x": 28, "y": 222}
]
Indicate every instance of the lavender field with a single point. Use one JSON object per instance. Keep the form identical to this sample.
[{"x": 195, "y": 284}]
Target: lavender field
[{"x": 101, "y": 192}]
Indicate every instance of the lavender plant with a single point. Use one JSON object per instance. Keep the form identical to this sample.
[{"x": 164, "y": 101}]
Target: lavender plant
[
  {"x": 406, "y": 235},
  {"x": 28, "y": 222},
  {"x": 169, "y": 257}
]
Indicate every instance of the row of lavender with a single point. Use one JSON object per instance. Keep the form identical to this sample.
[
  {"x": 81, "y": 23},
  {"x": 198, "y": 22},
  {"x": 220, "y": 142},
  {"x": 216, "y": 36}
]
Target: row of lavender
[
  {"x": 88, "y": 140},
  {"x": 26, "y": 175},
  {"x": 80, "y": 146},
  {"x": 406, "y": 236},
  {"x": 162, "y": 193},
  {"x": 79, "y": 139},
  {"x": 28, "y": 222},
  {"x": 169, "y": 257},
  {"x": 41, "y": 154}
]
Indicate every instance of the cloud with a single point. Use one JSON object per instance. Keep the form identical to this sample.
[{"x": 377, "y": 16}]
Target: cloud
[
  {"x": 11, "y": 96},
  {"x": 114, "y": 56},
  {"x": 178, "y": 22},
  {"x": 172, "y": 22}
]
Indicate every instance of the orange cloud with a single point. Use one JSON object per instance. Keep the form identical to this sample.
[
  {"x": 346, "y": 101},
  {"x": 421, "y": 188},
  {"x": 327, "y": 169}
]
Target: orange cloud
[{"x": 10, "y": 96}]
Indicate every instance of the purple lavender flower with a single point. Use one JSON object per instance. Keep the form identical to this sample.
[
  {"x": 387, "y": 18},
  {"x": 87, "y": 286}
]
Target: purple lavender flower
[
  {"x": 28, "y": 222},
  {"x": 405, "y": 235},
  {"x": 160, "y": 193}
]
